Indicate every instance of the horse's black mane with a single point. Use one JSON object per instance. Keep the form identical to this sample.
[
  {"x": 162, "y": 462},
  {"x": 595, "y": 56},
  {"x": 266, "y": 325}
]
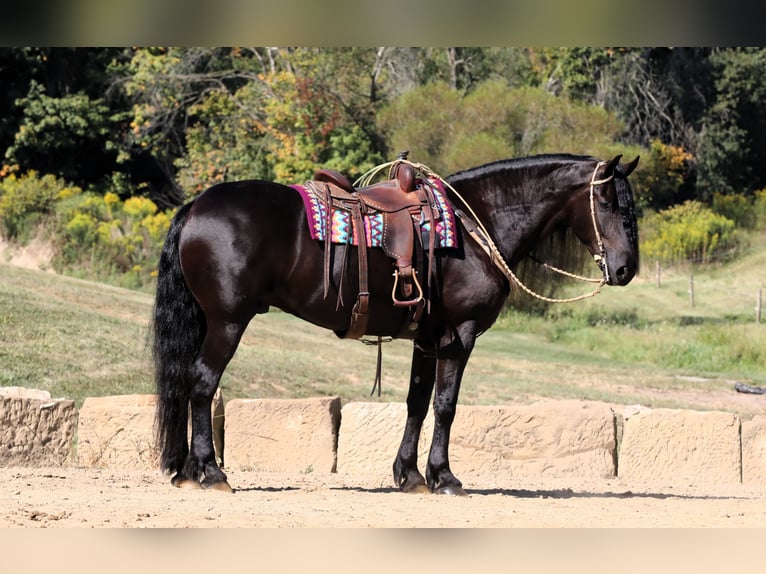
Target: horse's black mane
[{"x": 517, "y": 163}]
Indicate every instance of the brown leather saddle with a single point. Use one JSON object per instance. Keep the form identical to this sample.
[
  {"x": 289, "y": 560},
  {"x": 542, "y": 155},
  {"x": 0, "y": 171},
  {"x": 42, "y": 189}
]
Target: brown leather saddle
[{"x": 404, "y": 205}]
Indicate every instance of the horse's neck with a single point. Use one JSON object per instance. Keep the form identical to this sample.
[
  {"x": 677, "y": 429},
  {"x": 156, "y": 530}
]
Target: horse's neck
[{"x": 516, "y": 210}]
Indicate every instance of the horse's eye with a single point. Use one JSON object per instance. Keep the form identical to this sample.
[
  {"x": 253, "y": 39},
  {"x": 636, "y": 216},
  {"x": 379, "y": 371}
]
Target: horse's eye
[{"x": 604, "y": 205}]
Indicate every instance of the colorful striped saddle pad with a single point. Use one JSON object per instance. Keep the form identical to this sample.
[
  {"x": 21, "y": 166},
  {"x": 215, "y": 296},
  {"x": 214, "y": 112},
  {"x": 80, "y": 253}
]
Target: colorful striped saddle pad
[{"x": 342, "y": 225}]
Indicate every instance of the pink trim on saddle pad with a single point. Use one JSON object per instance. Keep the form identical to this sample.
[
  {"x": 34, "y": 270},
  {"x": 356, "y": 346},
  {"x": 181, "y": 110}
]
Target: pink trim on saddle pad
[{"x": 342, "y": 225}]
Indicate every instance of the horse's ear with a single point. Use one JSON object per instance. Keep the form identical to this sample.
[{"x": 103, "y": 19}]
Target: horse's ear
[
  {"x": 611, "y": 165},
  {"x": 631, "y": 166}
]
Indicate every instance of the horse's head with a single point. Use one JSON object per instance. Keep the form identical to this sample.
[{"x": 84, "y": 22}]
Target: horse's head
[{"x": 603, "y": 216}]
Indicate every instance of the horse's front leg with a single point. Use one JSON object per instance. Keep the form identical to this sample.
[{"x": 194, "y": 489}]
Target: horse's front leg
[
  {"x": 450, "y": 365},
  {"x": 423, "y": 371}
]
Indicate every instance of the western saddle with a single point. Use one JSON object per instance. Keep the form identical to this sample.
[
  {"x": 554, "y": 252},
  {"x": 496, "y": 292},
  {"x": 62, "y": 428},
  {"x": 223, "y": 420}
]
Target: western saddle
[{"x": 404, "y": 205}]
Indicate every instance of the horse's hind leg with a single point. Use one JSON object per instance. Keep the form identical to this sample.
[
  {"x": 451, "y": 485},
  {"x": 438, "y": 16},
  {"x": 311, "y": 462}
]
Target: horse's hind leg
[
  {"x": 406, "y": 474},
  {"x": 218, "y": 348}
]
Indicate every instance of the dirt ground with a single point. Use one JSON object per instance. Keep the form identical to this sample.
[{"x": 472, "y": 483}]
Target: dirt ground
[{"x": 99, "y": 498}]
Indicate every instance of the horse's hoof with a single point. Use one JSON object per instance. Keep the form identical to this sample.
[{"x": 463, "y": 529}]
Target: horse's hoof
[
  {"x": 219, "y": 485},
  {"x": 419, "y": 488},
  {"x": 452, "y": 490},
  {"x": 186, "y": 483}
]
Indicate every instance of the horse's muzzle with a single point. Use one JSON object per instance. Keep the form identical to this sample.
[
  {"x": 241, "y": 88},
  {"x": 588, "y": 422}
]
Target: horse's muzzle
[{"x": 622, "y": 274}]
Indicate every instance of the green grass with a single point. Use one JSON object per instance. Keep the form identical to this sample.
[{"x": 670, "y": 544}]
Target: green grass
[{"x": 638, "y": 344}]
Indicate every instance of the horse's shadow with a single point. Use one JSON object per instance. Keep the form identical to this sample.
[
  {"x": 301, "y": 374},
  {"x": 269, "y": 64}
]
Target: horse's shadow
[
  {"x": 562, "y": 493},
  {"x": 267, "y": 489}
]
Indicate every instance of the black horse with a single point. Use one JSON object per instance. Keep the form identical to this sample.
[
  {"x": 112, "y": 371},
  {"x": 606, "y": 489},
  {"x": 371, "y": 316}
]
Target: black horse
[{"x": 242, "y": 247}]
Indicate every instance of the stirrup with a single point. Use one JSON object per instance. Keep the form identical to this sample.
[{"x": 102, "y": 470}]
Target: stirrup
[{"x": 410, "y": 302}]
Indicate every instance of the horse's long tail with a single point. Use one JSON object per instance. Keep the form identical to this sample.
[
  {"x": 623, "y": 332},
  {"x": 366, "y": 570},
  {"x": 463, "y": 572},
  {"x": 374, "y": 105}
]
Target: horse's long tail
[{"x": 178, "y": 330}]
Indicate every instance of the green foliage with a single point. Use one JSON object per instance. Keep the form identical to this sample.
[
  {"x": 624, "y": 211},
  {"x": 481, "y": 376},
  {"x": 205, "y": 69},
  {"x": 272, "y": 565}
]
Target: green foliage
[
  {"x": 734, "y": 127},
  {"x": 663, "y": 172},
  {"x": 175, "y": 119},
  {"x": 421, "y": 120},
  {"x": 225, "y": 140},
  {"x": 759, "y": 208},
  {"x": 24, "y": 199},
  {"x": 303, "y": 120},
  {"x": 449, "y": 131},
  {"x": 688, "y": 232},
  {"x": 573, "y": 72},
  {"x": 105, "y": 238},
  {"x": 738, "y": 208},
  {"x": 60, "y": 134},
  {"x": 168, "y": 122}
]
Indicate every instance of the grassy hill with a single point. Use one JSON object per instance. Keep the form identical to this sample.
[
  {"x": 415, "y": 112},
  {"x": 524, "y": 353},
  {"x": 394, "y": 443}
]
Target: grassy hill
[{"x": 639, "y": 344}]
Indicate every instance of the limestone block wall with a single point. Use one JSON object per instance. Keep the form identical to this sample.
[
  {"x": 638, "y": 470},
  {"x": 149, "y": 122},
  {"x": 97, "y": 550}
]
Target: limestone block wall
[
  {"x": 546, "y": 439},
  {"x": 35, "y": 430}
]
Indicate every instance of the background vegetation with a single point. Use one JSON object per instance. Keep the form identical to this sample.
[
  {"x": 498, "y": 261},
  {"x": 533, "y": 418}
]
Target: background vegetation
[{"x": 101, "y": 145}]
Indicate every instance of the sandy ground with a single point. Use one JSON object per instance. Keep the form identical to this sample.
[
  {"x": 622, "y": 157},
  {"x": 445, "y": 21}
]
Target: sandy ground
[{"x": 99, "y": 498}]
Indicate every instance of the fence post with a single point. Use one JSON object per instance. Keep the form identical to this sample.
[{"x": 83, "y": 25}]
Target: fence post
[
  {"x": 758, "y": 305},
  {"x": 658, "y": 268},
  {"x": 691, "y": 289}
]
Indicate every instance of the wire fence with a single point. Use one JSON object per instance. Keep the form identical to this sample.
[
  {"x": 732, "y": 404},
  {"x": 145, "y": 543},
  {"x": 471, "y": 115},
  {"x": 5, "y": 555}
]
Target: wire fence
[{"x": 722, "y": 292}]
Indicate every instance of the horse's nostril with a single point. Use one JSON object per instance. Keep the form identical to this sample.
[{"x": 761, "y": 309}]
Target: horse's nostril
[{"x": 623, "y": 274}]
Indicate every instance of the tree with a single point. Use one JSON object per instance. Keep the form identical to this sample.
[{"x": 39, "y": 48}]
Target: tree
[
  {"x": 162, "y": 85},
  {"x": 733, "y": 135},
  {"x": 660, "y": 94},
  {"x": 277, "y": 113},
  {"x": 63, "y": 136},
  {"x": 576, "y": 73},
  {"x": 448, "y": 131},
  {"x": 55, "y": 117}
]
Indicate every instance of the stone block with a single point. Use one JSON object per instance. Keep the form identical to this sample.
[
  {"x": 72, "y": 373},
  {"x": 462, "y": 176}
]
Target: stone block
[
  {"x": 680, "y": 446},
  {"x": 546, "y": 439},
  {"x": 35, "y": 430},
  {"x": 551, "y": 439},
  {"x": 282, "y": 435},
  {"x": 754, "y": 451},
  {"x": 369, "y": 438},
  {"x": 118, "y": 431}
]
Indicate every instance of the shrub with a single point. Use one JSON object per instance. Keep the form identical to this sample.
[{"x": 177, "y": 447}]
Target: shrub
[
  {"x": 662, "y": 175},
  {"x": 759, "y": 209},
  {"x": 689, "y": 232},
  {"x": 107, "y": 239},
  {"x": 738, "y": 208},
  {"x": 25, "y": 198}
]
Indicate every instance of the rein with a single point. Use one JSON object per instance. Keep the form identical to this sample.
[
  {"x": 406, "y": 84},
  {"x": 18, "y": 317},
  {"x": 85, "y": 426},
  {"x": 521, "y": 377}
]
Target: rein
[{"x": 480, "y": 234}]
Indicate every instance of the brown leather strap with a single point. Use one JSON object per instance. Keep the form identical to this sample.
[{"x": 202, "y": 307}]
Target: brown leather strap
[
  {"x": 378, "y": 382},
  {"x": 327, "y": 200},
  {"x": 359, "y": 312}
]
